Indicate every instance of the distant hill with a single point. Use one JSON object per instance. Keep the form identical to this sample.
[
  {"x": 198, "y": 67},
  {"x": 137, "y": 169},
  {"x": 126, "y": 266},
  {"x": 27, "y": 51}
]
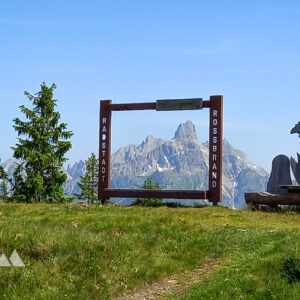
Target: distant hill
[{"x": 179, "y": 163}]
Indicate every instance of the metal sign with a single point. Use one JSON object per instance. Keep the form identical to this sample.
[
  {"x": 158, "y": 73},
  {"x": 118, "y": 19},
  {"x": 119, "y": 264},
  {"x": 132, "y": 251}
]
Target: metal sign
[
  {"x": 178, "y": 104},
  {"x": 213, "y": 194}
]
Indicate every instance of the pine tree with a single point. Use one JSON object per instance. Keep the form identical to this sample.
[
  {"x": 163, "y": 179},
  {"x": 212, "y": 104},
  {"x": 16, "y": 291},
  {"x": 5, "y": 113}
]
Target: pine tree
[
  {"x": 2, "y": 173},
  {"x": 89, "y": 182},
  {"x": 149, "y": 185},
  {"x": 4, "y": 193},
  {"x": 43, "y": 142}
]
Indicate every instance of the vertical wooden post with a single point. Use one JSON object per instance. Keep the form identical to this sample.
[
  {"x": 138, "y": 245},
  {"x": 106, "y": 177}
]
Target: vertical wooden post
[
  {"x": 215, "y": 148},
  {"x": 104, "y": 148}
]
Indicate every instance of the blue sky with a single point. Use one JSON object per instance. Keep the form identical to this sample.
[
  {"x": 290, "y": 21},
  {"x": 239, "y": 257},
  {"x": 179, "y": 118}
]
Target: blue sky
[{"x": 139, "y": 51}]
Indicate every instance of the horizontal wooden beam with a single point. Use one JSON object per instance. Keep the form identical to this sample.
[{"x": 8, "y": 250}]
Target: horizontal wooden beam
[
  {"x": 144, "y": 193},
  {"x": 145, "y": 106},
  {"x": 133, "y": 106},
  {"x": 291, "y": 188},
  {"x": 206, "y": 103},
  {"x": 273, "y": 199}
]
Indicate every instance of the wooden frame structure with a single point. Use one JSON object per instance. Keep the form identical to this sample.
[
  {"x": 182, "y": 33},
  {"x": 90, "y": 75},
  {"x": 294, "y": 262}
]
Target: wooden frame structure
[{"x": 213, "y": 194}]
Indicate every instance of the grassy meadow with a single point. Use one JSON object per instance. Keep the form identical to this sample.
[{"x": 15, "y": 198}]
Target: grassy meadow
[{"x": 100, "y": 252}]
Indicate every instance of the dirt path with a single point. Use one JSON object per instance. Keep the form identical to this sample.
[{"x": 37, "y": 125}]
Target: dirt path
[{"x": 175, "y": 285}]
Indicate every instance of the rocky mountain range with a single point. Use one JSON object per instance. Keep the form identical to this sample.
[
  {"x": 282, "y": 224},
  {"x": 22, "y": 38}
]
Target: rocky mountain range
[
  {"x": 182, "y": 163},
  {"x": 179, "y": 163}
]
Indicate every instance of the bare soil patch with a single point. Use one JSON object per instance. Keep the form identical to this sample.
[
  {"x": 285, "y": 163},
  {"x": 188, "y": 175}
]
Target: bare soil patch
[{"x": 175, "y": 285}]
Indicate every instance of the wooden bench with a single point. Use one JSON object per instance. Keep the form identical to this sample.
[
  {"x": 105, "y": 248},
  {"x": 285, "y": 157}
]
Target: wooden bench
[{"x": 289, "y": 198}]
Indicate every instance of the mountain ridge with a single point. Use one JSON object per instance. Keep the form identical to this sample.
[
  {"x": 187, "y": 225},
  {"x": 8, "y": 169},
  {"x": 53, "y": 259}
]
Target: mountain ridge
[
  {"x": 178, "y": 163},
  {"x": 182, "y": 163}
]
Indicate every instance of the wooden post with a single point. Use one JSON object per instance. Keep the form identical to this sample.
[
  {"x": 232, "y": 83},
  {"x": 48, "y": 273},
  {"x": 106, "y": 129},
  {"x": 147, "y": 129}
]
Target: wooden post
[
  {"x": 215, "y": 148},
  {"x": 104, "y": 148}
]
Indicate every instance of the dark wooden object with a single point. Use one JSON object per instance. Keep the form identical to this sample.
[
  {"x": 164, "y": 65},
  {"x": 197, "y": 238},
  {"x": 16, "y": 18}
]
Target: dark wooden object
[
  {"x": 104, "y": 148},
  {"x": 133, "y": 106},
  {"x": 215, "y": 104},
  {"x": 144, "y": 193},
  {"x": 291, "y": 188},
  {"x": 273, "y": 199},
  {"x": 215, "y": 148},
  {"x": 144, "y": 106}
]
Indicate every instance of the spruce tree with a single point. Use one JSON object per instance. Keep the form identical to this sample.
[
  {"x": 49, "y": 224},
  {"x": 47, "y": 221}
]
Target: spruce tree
[
  {"x": 89, "y": 181},
  {"x": 4, "y": 193},
  {"x": 149, "y": 185},
  {"x": 3, "y": 175},
  {"x": 43, "y": 143}
]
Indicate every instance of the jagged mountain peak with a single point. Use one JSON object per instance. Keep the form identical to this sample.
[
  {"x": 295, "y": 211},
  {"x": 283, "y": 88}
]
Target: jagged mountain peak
[
  {"x": 227, "y": 148},
  {"x": 182, "y": 163},
  {"x": 186, "y": 130},
  {"x": 77, "y": 169},
  {"x": 10, "y": 165},
  {"x": 149, "y": 139}
]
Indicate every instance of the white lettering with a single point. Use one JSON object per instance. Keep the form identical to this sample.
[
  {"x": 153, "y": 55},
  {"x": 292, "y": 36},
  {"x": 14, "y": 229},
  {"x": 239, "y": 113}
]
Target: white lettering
[
  {"x": 103, "y": 170},
  {"x": 103, "y": 137},
  {"x": 103, "y": 145},
  {"x": 103, "y": 162},
  {"x": 103, "y": 178},
  {"x": 215, "y": 141},
  {"x": 103, "y": 120},
  {"x": 103, "y": 153},
  {"x": 104, "y": 129}
]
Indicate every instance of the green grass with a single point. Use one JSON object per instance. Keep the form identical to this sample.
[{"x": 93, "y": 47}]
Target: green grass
[{"x": 72, "y": 252}]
